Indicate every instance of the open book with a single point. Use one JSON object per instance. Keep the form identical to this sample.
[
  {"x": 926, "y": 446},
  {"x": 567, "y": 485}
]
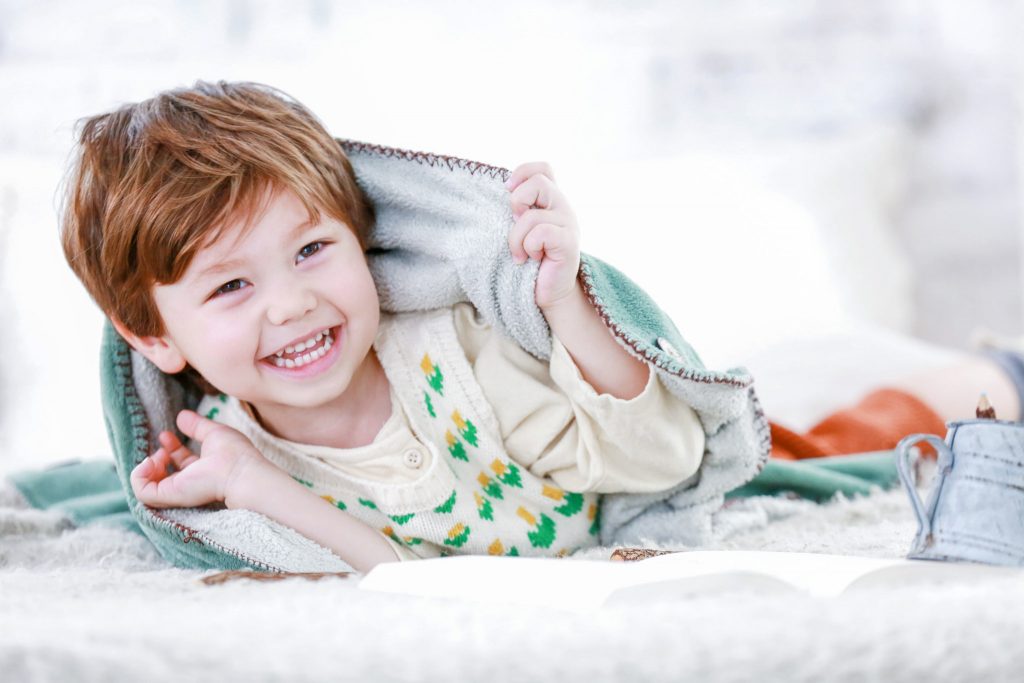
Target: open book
[{"x": 548, "y": 582}]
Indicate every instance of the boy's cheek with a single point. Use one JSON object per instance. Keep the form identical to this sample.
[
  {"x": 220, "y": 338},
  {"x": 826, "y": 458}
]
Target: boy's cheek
[{"x": 193, "y": 376}]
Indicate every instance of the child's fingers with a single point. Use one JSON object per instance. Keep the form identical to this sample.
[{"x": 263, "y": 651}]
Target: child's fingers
[
  {"x": 523, "y": 226},
  {"x": 181, "y": 456},
  {"x": 537, "y": 191},
  {"x": 143, "y": 471},
  {"x": 527, "y": 170},
  {"x": 545, "y": 241},
  {"x": 145, "y": 476},
  {"x": 153, "y": 486},
  {"x": 169, "y": 440},
  {"x": 157, "y": 465},
  {"x": 195, "y": 425}
]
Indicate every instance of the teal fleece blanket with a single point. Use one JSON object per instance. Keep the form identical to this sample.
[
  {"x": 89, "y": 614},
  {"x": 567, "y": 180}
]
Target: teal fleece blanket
[{"x": 439, "y": 238}]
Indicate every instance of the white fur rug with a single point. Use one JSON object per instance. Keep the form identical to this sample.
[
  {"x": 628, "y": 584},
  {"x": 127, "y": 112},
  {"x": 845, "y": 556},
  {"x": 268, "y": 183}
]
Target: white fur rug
[{"x": 97, "y": 604}]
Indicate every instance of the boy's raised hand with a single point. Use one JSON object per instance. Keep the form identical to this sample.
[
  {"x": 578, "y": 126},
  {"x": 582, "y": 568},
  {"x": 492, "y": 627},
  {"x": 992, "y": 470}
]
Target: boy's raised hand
[
  {"x": 545, "y": 229},
  {"x": 199, "y": 479}
]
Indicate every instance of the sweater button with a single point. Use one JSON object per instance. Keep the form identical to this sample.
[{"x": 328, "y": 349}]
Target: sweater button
[{"x": 413, "y": 458}]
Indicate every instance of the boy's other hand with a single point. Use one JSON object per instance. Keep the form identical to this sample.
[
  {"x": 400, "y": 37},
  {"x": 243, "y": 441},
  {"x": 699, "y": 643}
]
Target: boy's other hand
[
  {"x": 545, "y": 229},
  {"x": 226, "y": 454}
]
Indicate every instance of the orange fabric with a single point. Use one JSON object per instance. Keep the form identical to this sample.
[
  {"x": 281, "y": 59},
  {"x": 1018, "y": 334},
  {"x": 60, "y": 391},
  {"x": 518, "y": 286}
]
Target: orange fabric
[{"x": 876, "y": 423}]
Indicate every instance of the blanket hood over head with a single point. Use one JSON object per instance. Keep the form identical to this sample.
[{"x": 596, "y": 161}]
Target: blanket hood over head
[{"x": 441, "y": 238}]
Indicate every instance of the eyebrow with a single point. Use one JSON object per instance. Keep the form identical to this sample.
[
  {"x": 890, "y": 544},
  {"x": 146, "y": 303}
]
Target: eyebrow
[{"x": 232, "y": 264}]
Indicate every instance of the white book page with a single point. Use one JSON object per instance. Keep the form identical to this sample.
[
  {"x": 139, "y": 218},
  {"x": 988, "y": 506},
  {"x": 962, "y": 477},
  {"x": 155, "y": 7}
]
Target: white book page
[
  {"x": 543, "y": 582},
  {"x": 548, "y": 582},
  {"x": 815, "y": 573},
  {"x": 822, "y": 576}
]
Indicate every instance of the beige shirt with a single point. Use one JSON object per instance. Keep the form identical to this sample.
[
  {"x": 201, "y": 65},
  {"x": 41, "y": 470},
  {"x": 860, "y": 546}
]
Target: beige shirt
[{"x": 552, "y": 422}]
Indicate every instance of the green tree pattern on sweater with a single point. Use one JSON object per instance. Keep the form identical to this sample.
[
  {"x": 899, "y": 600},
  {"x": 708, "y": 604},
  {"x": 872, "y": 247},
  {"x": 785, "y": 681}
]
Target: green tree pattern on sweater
[
  {"x": 335, "y": 502},
  {"x": 573, "y": 501},
  {"x": 430, "y": 404},
  {"x": 507, "y": 473},
  {"x": 492, "y": 487},
  {"x": 434, "y": 377},
  {"x": 455, "y": 447},
  {"x": 544, "y": 531},
  {"x": 447, "y": 505},
  {"x": 467, "y": 430},
  {"x": 402, "y": 519},
  {"x": 484, "y": 507},
  {"x": 457, "y": 535}
]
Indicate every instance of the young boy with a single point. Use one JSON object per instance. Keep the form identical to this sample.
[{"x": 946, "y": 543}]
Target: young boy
[{"x": 221, "y": 230}]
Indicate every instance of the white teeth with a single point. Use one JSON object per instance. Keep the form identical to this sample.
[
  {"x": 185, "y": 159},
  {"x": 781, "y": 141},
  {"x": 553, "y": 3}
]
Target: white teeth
[{"x": 304, "y": 358}]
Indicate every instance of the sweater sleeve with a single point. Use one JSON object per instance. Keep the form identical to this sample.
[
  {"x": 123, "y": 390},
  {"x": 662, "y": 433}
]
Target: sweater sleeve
[{"x": 557, "y": 426}]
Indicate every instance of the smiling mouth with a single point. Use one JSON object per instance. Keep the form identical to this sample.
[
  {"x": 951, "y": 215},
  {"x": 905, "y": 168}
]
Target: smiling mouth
[{"x": 304, "y": 353}]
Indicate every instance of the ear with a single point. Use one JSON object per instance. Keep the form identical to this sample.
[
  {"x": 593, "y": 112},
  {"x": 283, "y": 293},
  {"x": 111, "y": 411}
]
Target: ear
[{"x": 161, "y": 351}]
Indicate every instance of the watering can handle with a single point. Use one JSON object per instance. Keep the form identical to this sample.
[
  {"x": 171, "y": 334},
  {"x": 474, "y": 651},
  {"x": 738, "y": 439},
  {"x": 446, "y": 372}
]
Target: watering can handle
[{"x": 907, "y": 476}]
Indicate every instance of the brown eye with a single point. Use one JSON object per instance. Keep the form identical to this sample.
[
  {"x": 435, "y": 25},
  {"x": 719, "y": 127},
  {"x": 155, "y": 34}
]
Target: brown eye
[
  {"x": 229, "y": 287},
  {"x": 309, "y": 250}
]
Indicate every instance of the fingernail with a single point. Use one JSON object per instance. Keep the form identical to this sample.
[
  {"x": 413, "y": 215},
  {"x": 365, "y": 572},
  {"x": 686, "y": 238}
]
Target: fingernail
[{"x": 508, "y": 183}]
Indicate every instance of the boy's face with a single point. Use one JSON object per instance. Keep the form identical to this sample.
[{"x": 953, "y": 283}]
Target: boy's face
[{"x": 247, "y": 301}]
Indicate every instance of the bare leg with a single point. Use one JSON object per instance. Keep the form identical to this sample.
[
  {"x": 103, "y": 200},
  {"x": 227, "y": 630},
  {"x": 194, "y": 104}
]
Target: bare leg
[{"x": 952, "y": 391}]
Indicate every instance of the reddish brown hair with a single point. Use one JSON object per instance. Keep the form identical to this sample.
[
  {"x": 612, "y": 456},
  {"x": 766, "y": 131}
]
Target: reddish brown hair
[{"x": 155, "y": 181}]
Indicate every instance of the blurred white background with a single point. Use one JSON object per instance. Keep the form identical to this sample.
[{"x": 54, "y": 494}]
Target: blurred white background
[{"x": 767, "y": 171}]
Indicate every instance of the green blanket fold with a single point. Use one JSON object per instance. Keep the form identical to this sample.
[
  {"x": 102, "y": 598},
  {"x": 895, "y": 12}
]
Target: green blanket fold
[
  {"x": 819, "y": 479},
  {"x": 85, "y": 491}
]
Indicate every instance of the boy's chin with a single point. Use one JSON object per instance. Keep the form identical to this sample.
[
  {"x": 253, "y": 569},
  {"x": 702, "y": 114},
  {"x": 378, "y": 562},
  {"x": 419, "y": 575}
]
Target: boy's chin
[
  {"x": 292, "y": 401},
  {"x": 313, "y": 394}
]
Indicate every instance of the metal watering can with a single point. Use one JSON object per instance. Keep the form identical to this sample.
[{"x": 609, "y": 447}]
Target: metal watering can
[{"x": 975, "y": 509}]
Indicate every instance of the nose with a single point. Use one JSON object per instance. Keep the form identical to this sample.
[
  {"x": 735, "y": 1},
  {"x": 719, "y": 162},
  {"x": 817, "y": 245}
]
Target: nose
[{"x": 290, "y": 303}]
